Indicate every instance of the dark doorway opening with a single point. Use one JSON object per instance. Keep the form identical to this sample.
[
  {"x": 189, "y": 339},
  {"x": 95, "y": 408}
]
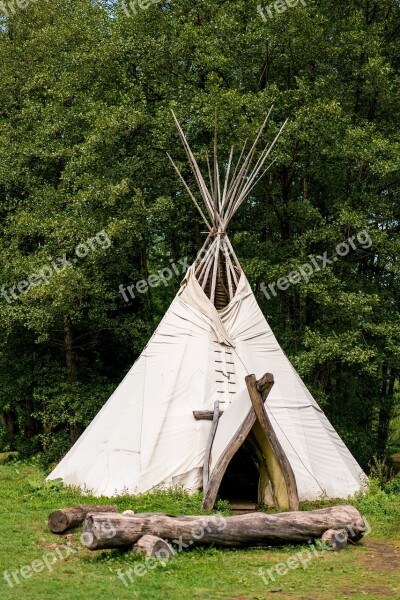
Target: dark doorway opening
[{"x": 240, "y": 482}]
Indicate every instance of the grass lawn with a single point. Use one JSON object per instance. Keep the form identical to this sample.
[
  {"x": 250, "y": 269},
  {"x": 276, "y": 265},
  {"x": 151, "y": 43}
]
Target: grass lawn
[{"x": 370, "y": 569}]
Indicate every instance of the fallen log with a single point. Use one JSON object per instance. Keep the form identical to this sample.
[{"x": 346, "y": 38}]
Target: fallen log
[
  {"x": 104, "y": 530},
  {"x": 67, "y": 518}
]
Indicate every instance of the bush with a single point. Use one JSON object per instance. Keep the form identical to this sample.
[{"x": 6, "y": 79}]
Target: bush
[
  {"x": 393, "y": 486},
  {"x": 380, "y": 470}
]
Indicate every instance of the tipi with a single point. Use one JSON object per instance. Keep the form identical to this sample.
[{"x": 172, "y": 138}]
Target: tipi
[{"x": 185, "y": 402}]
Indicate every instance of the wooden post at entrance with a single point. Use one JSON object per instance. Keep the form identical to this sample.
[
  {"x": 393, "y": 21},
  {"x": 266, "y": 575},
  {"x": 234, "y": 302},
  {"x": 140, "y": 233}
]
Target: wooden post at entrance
[
  {"x": 210, "y": 440},
  {"x": 258, "y": 391}
]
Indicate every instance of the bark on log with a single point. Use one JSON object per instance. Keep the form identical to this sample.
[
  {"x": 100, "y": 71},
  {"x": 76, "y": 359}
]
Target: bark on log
[
  {"x": 256, "y": 529},
  {"x": 152, "y": 545},
  {"x": 67, "y": 518}
]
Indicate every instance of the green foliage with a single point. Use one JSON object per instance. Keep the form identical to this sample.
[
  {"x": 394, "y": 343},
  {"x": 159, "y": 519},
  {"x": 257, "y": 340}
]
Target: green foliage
[
  {"x": 393, "y": 486},
  {"x": 380, "y": 470},
  {"x": 84, "y": 129},
  {"x": 383, "y": 505},
  {"x": 4, "y": 440},
  {"x": 46, "y": 489}
]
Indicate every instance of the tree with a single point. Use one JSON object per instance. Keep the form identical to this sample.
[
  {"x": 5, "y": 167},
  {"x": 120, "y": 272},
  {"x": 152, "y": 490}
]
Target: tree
[{"x": 84, "y": 128}]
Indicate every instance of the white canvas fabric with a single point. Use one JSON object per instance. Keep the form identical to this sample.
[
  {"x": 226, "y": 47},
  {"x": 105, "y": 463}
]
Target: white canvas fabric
[{"x": 145, "y": 436}]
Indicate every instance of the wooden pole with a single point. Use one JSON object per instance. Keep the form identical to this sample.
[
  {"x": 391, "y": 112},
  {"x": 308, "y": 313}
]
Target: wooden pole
[
  {"x": 187, "y": 188},
  {"x": 239, "y": 182},
  {"x": 204, "y": 261},
  {"x": 228, "y": 192},
  {"x": 258, "y": 391},
  {"x": 233, "y": 252},
  {"x": 215, "y": 270},
  {"x": 228, "y": 270},
  {"x": 195, "y": 169},
  {"x": 210, "y": 440},
  {"x": 227, "y": 178},
  {"x": 200, "y": 252},
  {"x": 244, "y": 191},
  {"x": 230, "y": 265},
  {"x": 206, "y": 271}
]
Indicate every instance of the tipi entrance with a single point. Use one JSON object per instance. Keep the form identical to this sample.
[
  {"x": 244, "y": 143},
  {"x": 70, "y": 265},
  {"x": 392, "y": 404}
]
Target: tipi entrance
[
  {"x": 240, "y": 483},
  {"x": 245, "y": 461}
]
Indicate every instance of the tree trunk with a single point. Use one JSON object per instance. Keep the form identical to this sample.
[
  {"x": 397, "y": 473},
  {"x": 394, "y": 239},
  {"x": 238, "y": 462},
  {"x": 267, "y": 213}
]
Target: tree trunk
[
  {"x": 255, "y": 529},
  {"x": 74, "y": 429},
  {"x": 386, "y": 408},
  {"x": 8, "y": 421},
  {"x": 67, "y": 518}
]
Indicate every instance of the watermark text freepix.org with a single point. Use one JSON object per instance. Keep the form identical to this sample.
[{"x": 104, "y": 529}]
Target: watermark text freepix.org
[
  {"x": 316, "y": 263},
  {"x": 163, "y": 276},
  {"x": 12, "y": 6},
  {"x": 47, "y": 561},
  {"x": 45, "y": 273},
  {"x": 278, "y": 7},
  {"x": 302, "y": 558},
  {"x": 209, "y": 524},
  {"x": 136, "y": 5}
]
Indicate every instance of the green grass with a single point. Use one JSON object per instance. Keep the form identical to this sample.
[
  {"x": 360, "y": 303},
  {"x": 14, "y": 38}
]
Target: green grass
[{"x": 367, "y": 570}]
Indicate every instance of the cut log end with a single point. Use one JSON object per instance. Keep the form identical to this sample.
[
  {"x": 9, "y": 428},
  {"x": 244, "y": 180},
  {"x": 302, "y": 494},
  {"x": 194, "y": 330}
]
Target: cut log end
[
  {"x": 151, "y": 545},
  {"x": 264, "y": 382},
  {"x": 205, "y": 415},
  {"x": 337, "y": 538},
  {"x": 58, "y": 521},
  {"x": 67, "y": 518}
]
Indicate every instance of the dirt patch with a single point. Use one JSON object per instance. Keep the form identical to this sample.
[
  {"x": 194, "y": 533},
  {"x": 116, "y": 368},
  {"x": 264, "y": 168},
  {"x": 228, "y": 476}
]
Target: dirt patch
[
  {"x": 377, "y": 559},
  {"x": 377, "y": 591},
  {"x": 380, "y": 557}
]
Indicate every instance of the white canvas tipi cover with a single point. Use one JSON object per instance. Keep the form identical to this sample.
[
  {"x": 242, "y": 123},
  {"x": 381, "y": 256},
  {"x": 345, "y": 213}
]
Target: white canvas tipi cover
[{"x": 146, "y": 436}]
